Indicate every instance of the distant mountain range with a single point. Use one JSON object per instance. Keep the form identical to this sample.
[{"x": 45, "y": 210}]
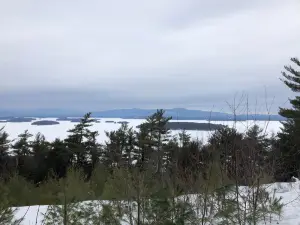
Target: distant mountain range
[{"x": 176, "y": 114}]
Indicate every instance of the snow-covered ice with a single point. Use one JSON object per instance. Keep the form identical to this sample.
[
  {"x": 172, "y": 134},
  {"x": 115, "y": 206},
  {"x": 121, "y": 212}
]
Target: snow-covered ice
[{"x": 60, "y": 131}]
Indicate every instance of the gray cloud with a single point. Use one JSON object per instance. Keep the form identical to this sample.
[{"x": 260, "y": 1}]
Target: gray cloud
[{"x": 172, "y": 53}]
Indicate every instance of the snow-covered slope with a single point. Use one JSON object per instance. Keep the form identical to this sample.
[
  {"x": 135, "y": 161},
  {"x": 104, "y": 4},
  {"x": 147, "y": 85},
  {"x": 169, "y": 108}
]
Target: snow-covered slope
[{"x": 288, "y": 192}]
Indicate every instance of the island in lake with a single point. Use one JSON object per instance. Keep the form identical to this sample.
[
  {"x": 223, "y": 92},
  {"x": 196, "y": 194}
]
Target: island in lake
[
  {"x": 110, "y": 121},
  {"x": 192, "y": 126},
  {"x": 72, "y": 120},
  {"x": 123, "y": 122},
  {"x": 45, "y": 123},
  {"x": 119, "y": 122},
  {"x": 16, "y": 119}
]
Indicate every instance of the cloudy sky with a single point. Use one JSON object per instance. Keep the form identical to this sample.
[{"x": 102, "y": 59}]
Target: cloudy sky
[{"x": 97, "y": 54}]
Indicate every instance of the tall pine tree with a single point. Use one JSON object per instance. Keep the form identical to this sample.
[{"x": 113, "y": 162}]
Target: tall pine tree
[
  {"x": 289, "y": 137},
  {"x": 40, "y": 151},
  {"x": 4, "y": 148},
  {"x": 159, "y": 135},
  {"x": 77, "y": 138},
  {"x": 22, "y": 149}
]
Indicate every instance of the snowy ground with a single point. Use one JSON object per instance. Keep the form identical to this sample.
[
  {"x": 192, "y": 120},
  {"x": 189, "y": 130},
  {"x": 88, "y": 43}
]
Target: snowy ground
[{"x": 289, "y": 192}]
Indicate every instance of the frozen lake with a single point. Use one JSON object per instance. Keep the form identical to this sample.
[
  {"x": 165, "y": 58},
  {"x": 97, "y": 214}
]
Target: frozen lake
[{"x": 60, "y": 131}]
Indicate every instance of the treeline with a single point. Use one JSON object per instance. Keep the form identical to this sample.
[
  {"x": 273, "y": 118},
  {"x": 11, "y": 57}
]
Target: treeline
[
  {"x": 151, "y": 147},
  {"x": 143, "y": 173}
]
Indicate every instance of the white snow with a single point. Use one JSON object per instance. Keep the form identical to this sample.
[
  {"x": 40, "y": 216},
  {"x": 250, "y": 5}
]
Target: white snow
[{"x": 289, "y": 192}]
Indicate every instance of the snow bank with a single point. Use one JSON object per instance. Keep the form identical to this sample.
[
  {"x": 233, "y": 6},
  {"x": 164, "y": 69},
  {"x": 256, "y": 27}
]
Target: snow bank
[{"x": 288, "y": 192}]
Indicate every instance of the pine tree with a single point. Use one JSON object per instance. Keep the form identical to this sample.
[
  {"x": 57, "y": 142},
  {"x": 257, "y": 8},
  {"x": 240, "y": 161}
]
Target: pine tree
[
  {"x": 143, "y": 151},
  {"x": 40, "y": 151},
  {"x": 71, "y": 191},
  {"x": 4, "y": 147},
  {"x": 176, "y": 151},
  {"x": 227, "y": 144},
  {"x": 191, "y": 155},
  {"x": 77, "y": 137},
  {"x": 23, "y": 151},
  {"x": 290, "y": 133},
  {"x": 112, "y": 155},
  {"x": 258, "y": 140},
  {"x": 255, "y": 154},
  {"x": 171, "y": 156},
  {"x": 159, "y": 135},
  {"x": 22, "y": 147},
  {"x": 93, "y": 149},
  {"x": 184, "y": 139},
  {"x": 128, "y": 156},
  {"x": 59, "y": 158},
  {"x": 4, "y": 143}
]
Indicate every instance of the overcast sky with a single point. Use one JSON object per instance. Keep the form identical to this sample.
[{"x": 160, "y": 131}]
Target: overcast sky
[{"x": 97, "y": 54}]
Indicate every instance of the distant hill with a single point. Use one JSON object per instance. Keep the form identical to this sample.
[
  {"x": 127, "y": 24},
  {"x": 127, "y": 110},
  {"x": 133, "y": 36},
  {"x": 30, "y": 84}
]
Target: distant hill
[
  {"x": 16, "y": 119},
  {"x": 176, "y": 113},
  {"x": 183, "y": 114}
]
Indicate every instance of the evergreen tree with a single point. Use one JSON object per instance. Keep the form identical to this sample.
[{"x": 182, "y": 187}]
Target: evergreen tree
[
  {"x": 77, "y": 137},
  {"x": 226, "y": 145},
  {"x": 184, "y": 139},
  {"x": 93, "y": 149},
  {"x": 4, "y": 143},
  {"x": 177, "y": 150},
  {"x": 171, "y": 155},
  {"x": 112, "y": 156},
  {"x": 40, "y": 151},
  {"x": 258, "y": 140},
  {"x": 192, "y": 157},
  {"x": 59, "y": 158},
  {"x": 290, "y": 133},
  {"x": 23, "y": 147},
  {"x": 129, "y": 156},
  {"x": 158, "y": 136},
  {"x": 39, "y": 145},
  {"x": 71, "y": 190},
  {"x": 23, "y": 151},
  {"x": 255, "y": 154},
  {"x": 4, "y": 148},
  {"x": 144, "y": 151}
]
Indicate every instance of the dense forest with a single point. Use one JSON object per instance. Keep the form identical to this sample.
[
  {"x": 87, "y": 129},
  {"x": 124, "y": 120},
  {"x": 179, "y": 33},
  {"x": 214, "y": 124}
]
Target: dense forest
[{"x": 148, "y": 168}]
